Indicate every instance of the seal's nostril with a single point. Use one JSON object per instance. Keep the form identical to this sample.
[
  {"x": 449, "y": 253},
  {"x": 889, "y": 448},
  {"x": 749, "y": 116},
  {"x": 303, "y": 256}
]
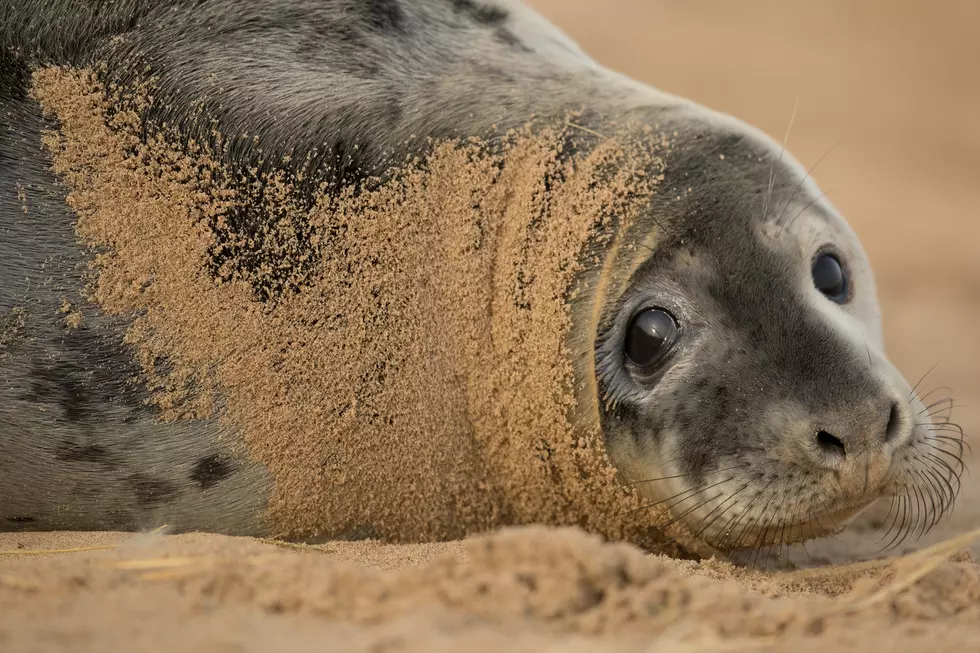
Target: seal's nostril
[
  {"x": 894, "y": 423},
  {"x": 830, "y": 444}
]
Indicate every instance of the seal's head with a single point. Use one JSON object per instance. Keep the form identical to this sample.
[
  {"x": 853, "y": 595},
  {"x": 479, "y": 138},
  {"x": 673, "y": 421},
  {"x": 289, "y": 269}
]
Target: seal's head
[{"x": 741, "y": 369}]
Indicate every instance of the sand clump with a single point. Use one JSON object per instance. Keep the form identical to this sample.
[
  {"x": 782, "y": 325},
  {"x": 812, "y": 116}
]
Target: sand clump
[
  {"x": 533, "y": 586},
  {"x": 397, "y": 355}
]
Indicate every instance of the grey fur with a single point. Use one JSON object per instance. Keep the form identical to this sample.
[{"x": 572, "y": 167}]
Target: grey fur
[{"x": 352, "y": 87}]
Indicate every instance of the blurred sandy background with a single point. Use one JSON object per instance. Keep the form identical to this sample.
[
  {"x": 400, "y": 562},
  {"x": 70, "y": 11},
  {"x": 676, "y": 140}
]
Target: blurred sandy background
[{"x": 895, "y": 85}]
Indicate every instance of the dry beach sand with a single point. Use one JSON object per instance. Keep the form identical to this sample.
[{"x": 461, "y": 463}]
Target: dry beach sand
[{"x": 896, "y": 80}]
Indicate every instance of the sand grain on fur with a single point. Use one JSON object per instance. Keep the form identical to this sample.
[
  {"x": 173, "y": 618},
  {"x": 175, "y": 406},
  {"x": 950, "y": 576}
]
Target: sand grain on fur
[{"x": 412, "y": 377}]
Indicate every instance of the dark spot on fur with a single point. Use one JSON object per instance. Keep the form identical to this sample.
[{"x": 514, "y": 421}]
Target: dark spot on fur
[
  {"x": 721, "y": 401},
  {"x": 211, "y": 470},
  {"x": 73, "y": 452},
  {"x": 384, "y": 14},
  {"x": 152, "y": 492},
  {"x": 507, "y": 37},
  {"x": 92, "y": 373},
  {"x": 393, "y": 111},
  {"x": 480, "y": 12},
  {"x": 685, "y": 419},
  {"x": 20, "y": 520},
  {"x": 12, "y": 329},
  {"x": 62, "y": 383}
]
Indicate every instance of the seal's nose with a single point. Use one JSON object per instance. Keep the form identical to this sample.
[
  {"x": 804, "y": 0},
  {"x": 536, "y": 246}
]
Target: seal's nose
[
  {"x": 859, "y": 452},
  {"x": 835, "y": 448}
]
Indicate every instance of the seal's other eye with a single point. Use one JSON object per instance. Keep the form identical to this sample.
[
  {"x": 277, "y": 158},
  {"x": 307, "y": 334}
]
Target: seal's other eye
[
  {"x": 651, "y": 334},
  {"x": 830, "y": 278}
]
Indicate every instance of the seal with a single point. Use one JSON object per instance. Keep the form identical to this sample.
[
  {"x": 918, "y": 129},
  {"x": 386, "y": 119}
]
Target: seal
[{"x": 719, "y": 325}]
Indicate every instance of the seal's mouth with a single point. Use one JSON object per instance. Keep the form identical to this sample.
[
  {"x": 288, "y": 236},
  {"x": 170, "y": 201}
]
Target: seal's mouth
[
  {"x": 830, "y": 521},
  {"x": 921, "y": 483}
]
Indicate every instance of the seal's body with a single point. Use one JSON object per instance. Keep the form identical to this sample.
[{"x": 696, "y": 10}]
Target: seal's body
[{"x": 736, "y": 360}]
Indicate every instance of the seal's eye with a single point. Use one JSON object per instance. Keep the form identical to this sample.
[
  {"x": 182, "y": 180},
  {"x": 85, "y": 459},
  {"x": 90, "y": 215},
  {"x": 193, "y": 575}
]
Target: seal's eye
[
  {"x": 829, "y": 278},
  {"x": 650, "y": 336}
]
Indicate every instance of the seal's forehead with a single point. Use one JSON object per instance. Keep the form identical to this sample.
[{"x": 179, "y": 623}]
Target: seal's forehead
[
  {"x": 725, "y": 171},
  {"x": 726, "y": 183},
  {"x": 735, "y": 206}
]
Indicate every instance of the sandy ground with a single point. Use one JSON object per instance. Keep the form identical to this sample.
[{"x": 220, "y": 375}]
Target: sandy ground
[{"x": 892, "y": 83}]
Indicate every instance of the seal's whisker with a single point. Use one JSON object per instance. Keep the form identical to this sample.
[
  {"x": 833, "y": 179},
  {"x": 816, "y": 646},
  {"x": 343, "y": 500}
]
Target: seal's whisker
[
  {"x": 734, "y": 521},
  {"x": 898, "y": 500},
  {"x": 931, "y": 489},
  {"x": 809, "y": 172},
  {"x": 690, "y": 510},
  {"x": 952, "y": 480},
  {"x": 690, "y": 492},
  {"x": 919, "y": 507},
  {"x": 961, "y": 444},
  {"x": 752, "y": 519},
  {"x": 959, "y": 461},
  {"x": 760, "y": 539},
  {"x": 940, "y": 402},
  {"x": 824, "y": 529},
  {"x": 896, "y": 525},
  {"x": 945, "y": 409},
  {"x": 771, "y": 531},
  {"x": 946, "y": 494},
  {"x": 920, "y": 511},
  {"x": 785, "y": 541},
  {"x": 950, "y": 445},
  {"x": 664, "y": 478},
  {"x": 943, "y": 480},
  {"x": 951, "y": 436},
  {"x": 702, "y": 526},
  {"x": 951, "y": 427},
  {"x": 891, "y": 508},
  {"x": 801, "y": 524},
  {"x": 782, "y": 150},
  {"x": 921, "y": 379},
  {"x": 804, "y": 537},
  {"x": 837, "y": 527},
  {"x": 931, "y": 392},
  {"x": 944, "y": 425},
  {"x": 955, "y": 469},
  {"x": 777, "y": 511},
  {"x": 902, "y": 533},
  {"x": 804, "y": 209},
  {"x": 654, "y": 480},
  {"x": 730, "y": 526},
  {"x": 657, "y": 503}
]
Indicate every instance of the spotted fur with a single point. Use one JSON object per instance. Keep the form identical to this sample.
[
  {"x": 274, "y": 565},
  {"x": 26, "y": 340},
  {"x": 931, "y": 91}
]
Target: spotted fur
[{"x": 722, "y": 435}]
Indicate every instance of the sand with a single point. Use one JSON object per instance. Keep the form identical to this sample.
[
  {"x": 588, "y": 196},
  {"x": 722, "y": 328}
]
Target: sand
[
  {"x": 408, "y": 372},
  {"x": 527, "y": 589},
  {"x": 540, "y": 590}
]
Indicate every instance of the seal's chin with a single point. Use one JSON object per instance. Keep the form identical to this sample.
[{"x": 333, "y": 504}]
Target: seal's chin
[
  {"x": 743, "y": 516},
  {"x": 825, "y": 523}
]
